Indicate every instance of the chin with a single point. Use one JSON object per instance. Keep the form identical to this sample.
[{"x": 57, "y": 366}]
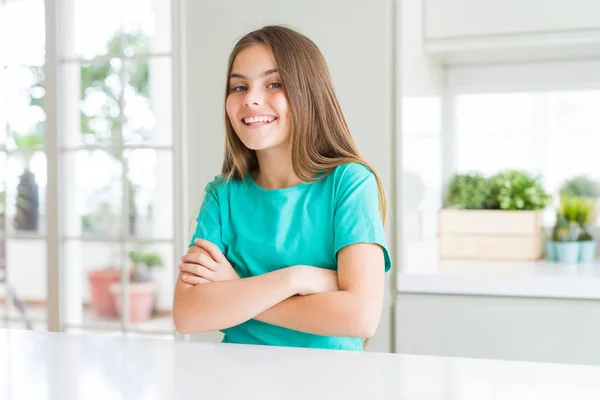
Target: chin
[
  {"x": 258, "y": 146},
  {"x": 256, "y": 143}
]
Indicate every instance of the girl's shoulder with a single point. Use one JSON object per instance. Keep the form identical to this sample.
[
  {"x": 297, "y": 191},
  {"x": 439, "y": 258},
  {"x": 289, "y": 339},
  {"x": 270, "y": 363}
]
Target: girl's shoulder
[
  {"x": 222, "y": 185},
  {"x": 350, "y": 172}
]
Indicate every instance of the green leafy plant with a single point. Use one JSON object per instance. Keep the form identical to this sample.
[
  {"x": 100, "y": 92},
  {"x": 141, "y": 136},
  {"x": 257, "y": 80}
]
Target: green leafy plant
[
  {"x": 143, "y": 262},
  {"x": 581, "y": 186},
  {"x": 517, "y": 190},
  {"x": 578, "y": 210},
  {"x": 468, "y": 191}
]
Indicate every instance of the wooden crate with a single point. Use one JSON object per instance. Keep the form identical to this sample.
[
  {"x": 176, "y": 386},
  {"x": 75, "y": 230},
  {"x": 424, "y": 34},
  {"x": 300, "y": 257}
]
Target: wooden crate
[{"x": 490, "y": 234}]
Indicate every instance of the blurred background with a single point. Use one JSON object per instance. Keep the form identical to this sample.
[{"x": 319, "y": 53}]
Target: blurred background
[{"x": 481, "y": 116}]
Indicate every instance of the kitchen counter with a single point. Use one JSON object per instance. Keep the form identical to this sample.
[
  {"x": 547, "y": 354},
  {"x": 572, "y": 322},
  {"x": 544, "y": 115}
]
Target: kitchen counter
[
  {"x": 44, "y": 366},
  {"x": 542, "y": 278}
]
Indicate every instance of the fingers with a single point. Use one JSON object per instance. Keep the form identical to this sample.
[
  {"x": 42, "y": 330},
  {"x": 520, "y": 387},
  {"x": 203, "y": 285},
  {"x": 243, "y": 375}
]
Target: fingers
[
  {"x": 212, "y": 249},
  {"x": 196, "y": 270},
  {"x": 200, "y": 259},
  {"x": 193, "y": 280}
]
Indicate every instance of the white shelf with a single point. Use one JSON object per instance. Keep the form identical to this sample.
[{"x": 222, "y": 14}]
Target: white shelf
[{"x": 496, "y": 278}]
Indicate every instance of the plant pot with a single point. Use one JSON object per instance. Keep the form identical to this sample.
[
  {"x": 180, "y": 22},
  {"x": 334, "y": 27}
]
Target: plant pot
[
  {"x": 551, "y": 251},
  {"x": 102, "y": 301},
  {"x": 567, "y": 252},
  {"x": 490, "y": 234},
  {"x": 141, "y": 300},
  {"x": 587, "y": 251}
]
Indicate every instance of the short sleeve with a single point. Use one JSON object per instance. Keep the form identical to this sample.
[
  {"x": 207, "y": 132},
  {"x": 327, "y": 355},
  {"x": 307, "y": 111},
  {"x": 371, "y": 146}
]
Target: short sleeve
[
  {"x": 209, "y": 218},
  {"x": 357, "y": 218}
]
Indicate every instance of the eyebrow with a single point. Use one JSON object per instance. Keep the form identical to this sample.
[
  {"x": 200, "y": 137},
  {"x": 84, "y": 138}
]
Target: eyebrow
[{"x": 262, "y": 75}]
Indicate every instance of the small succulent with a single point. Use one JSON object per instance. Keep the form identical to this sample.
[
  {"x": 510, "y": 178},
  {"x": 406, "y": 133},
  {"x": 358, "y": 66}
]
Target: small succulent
[
  {"x": 585, "y": 236},
  {"x": 565, "y": 230}
]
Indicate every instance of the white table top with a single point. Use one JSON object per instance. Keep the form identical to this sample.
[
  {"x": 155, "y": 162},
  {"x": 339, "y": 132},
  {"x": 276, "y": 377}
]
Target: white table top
[{"x": 44, "y": 366}]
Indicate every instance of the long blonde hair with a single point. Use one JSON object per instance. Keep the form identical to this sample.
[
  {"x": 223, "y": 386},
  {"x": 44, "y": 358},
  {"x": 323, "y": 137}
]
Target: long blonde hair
[{"x": 320, "y": 139}]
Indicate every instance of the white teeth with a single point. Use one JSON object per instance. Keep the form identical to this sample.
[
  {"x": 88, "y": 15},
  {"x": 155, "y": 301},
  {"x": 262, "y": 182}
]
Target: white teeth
[{"x": 259, "y": 118}]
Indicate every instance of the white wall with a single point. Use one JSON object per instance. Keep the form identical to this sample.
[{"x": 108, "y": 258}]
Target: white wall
[
  {"x": 355, "y": 37},
  {"x": 420, "y": 147}
]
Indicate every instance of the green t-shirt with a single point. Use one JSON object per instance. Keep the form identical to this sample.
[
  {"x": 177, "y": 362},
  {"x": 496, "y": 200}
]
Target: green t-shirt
[{"x": 262, "y": 230}]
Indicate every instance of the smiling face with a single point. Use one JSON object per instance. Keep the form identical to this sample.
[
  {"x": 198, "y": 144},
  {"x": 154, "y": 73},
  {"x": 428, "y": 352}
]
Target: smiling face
[{"x": 256, "y": 103}]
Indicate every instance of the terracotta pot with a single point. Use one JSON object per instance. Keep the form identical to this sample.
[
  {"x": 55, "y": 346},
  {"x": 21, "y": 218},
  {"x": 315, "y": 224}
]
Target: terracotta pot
[
  {"x": 141, "y": 300},
  {"x": 102, "y": 301}
]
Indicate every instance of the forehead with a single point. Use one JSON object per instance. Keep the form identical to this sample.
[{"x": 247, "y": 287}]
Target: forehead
[{"x": 253, "y": 60}]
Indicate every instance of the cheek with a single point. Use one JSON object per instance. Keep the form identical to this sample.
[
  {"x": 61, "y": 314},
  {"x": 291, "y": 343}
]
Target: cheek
[
  {"x": 282, "y": 106},
  {"x": 231, "y": 107}
]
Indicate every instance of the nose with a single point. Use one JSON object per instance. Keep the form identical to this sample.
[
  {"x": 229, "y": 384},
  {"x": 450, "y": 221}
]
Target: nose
[{"x": 254, "y": 97}]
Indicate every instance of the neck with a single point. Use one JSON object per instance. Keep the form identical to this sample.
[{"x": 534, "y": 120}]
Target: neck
[{"x": 275, "y": 169}]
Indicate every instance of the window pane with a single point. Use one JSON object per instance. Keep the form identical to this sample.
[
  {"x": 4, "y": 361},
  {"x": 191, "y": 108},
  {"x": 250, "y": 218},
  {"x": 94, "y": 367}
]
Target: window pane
[
  {"x": 151, "y": 287},
  {"x": 26, "y": 178},
  {"x": 100, "y": 96},
  {"x": 494, "y": 131},
  {"x": 148, "y": 102},
  {"x": 91, "y": 28},
  {"x": 93, "y": 194},
  {"x": 26, "y": 282},
  {"x": 90, "y": 269},
  {"x": 22, "y": 32},
  {"x": 21, "y": 105},
  {"x": 3, "y": 121},
  {"x": 150, "y": 175},
  {"x": 574, "y": 111},
  {"x": 573, "y": 137},
  {"x": 2, "y": 228},
  {"x": 146, "y": 26}
]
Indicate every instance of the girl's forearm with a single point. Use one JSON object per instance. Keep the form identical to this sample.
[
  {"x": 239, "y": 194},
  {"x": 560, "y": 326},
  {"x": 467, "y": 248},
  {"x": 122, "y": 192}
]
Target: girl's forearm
[
  {"x": 338, "y": 313},
  {"x": 220, "y": 305}
]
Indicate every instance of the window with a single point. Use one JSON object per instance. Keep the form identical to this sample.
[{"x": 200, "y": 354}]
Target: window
[
  {"x": 542, "y": 117},
  {"x": 23, "y": 169},
  {"x": 115, "y": 162}
]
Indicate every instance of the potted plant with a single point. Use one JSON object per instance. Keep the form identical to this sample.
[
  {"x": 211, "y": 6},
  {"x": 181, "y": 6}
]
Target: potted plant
[
  {"x": 470, "y": 191},
  {"x": 587, "y": 246},
  {"x": 564, "y": 247},
  {"x": 100, "y": 280},
  {"x": 141, "y": 287},
  {"x": 493, "y": 218},
  {"x": 584, "y": 186},
  {"x": 28, "y": 202},
  {"x": 571, "y": 240}
]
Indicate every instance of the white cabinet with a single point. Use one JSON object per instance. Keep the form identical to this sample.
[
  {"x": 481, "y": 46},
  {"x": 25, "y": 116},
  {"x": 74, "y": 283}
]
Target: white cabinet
[
  {"x": 446, "y": 19},
  {"x": 458, "y": 31},
  {"x": 504, "y": 328}
]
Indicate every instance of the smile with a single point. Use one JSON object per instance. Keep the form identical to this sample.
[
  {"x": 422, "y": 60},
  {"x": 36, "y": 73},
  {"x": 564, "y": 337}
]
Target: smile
[{"x": 259, "y": 120}]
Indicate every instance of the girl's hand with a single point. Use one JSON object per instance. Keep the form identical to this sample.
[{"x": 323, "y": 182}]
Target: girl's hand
[
  {"x": 209, "y": 265},
  {"x": 313, "y": 280}
]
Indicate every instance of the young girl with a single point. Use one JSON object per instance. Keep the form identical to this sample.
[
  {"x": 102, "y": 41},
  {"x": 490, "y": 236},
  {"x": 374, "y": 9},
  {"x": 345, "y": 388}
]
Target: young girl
[{"x": 290, "y": 248}]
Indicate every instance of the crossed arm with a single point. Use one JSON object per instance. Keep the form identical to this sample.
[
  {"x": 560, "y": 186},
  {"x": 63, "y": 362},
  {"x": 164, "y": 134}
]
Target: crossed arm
[{"x": 297, "y": 297}]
